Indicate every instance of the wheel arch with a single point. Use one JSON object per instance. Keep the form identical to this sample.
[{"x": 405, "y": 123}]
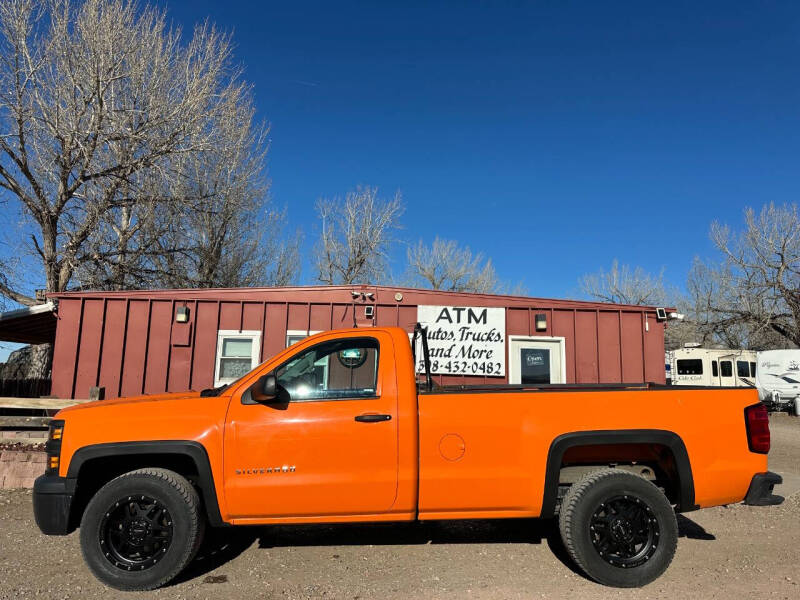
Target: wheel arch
[
  {"x": 175, "y": 454},
  {"x": 669, "y": 439}
]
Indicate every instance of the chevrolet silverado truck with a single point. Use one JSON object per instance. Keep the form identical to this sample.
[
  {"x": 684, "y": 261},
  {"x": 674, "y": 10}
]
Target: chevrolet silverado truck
[{"x": 337, "y": 428}]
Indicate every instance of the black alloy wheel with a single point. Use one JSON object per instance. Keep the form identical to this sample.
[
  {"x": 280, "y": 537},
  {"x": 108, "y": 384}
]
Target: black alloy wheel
[
  {"x": 136, "y": 532},
  {"x": 624, "y": 531}
]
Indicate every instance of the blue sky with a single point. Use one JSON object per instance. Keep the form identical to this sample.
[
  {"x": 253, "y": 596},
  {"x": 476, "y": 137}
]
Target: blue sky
[{"x": 551, "y": 136}]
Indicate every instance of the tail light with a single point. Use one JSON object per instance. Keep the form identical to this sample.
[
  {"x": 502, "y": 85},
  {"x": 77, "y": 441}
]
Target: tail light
[{"x": 757, "y": 422}]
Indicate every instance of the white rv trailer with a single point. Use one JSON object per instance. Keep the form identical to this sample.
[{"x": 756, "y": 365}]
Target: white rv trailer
[
  {"x": 778, "y": 379},
  {"x": 711, "y": 366}
]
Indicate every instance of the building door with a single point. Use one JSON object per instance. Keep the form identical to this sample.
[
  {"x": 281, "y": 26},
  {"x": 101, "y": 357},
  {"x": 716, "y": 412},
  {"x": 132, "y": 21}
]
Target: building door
[{"x": 536, "y": 360}]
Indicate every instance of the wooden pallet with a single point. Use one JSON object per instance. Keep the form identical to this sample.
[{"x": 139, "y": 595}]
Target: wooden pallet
[
  {"x": 34, "y": 427},
  {"x": 38, "y": 403}
]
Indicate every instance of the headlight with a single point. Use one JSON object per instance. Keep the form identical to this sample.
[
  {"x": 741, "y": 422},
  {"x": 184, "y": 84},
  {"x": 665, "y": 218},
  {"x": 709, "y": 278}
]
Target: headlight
[{"x": 53, "y": 446}]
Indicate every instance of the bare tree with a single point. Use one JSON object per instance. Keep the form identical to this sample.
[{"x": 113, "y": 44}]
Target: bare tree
[
  {"x": 444, "y": 265},
  {"x": 101, "y": 108},
  {"x": 752, "y": 297},
  {"x": 218, "y": 231},
  {"x": 623, "y": 284},
  {"x": 357, "y": 233}
]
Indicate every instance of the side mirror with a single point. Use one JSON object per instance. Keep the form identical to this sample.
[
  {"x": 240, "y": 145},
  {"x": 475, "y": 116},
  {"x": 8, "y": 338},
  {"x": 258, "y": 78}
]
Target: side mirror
[
  {"x": 263, "y": 390},
  {"x": 268, "y": 385}
]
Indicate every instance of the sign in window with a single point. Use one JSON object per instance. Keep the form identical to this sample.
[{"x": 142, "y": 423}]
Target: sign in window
[{"x": 535, "y": 365}]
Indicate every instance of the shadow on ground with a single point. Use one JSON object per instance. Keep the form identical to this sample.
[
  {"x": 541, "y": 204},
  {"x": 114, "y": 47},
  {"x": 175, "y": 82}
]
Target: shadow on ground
[
  {"x": 401, "y": 534},
  {"x": 225, "y": 544},
  {"x": 689, "y": 529}
]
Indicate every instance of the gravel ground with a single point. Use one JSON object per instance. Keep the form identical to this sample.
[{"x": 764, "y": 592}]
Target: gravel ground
[{"x": 724, "y": 552}]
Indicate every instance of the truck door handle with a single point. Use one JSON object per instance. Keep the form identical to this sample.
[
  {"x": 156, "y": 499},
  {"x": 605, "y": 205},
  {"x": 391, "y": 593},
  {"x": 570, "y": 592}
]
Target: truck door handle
[{"x": 373, "y": 418}]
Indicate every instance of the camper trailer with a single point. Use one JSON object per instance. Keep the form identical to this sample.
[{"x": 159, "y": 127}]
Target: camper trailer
[
  {"x": 778, "y": 380},
  {"x": 711, "y": 366}
]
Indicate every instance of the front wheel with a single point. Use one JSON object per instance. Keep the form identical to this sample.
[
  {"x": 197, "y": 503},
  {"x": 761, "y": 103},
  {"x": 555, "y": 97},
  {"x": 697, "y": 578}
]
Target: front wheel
[
  {"x": 141, "y": 529},
  {"x": 618, "y": 528}
]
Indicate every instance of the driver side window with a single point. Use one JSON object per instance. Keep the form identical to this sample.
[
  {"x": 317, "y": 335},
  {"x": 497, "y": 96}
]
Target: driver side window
[{"x": 334, "y": 370}]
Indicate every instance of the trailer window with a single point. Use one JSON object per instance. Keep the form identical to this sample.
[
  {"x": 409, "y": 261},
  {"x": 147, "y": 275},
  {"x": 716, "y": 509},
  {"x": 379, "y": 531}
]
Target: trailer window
[
  {"x": 727, "y": 368},
  {"x": 752, "y": 369},
  {"x": 714, "y": 368},
  {"x": 742, "y": 368},
  {"x": 690, "y": 366}
]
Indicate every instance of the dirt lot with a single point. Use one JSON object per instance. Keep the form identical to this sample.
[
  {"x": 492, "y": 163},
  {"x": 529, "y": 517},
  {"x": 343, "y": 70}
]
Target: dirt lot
[{"x": 723, "y": 553}]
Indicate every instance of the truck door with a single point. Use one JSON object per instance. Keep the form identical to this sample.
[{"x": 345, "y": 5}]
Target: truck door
[{"x": 326, "y": 445}]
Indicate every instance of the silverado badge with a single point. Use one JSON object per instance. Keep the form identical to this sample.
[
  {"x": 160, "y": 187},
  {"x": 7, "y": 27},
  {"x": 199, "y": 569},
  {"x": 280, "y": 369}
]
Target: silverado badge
[{"x": 264, "y": 470}]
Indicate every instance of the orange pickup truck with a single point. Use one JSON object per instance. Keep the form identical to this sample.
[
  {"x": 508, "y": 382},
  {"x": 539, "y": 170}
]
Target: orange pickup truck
[{"x": 337, "y": 428}]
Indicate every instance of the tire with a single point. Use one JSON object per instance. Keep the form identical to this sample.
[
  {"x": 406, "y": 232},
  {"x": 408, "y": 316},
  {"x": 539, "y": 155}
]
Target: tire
[
  {"x": 141, "y": 529},
  {"x": 619, "y": 528}
]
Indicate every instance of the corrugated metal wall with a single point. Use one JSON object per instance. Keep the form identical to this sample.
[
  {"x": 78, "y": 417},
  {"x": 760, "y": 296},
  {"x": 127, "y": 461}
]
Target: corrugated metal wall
[{"x": 132, "y": 344}]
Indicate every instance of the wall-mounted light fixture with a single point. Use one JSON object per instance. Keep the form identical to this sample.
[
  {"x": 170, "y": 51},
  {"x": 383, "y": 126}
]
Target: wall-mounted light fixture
[
  {"x": 541, "y": 322},
  {"x": 182, "y": 314},
  {"x": 369, "y": 310}
]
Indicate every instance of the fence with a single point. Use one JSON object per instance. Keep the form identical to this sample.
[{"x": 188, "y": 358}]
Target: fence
[
  {"x": 24, "y": 388},
  {"x": 26, "y": 420}
]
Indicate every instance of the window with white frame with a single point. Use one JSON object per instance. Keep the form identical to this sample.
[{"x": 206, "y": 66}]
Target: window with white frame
[
  {"x": 237, "y": 354},
  {"x": 295, "y": 335}
]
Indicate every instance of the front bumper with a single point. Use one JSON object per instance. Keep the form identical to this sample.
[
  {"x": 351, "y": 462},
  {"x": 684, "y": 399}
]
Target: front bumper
[
  {"x": 52, "y": 501},
  {"x": 760, "y": 491}
]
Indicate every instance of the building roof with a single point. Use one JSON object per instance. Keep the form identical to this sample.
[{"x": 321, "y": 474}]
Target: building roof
[
  {"x": 29, "y": 325},
  {"x": 382, "y": 294}
]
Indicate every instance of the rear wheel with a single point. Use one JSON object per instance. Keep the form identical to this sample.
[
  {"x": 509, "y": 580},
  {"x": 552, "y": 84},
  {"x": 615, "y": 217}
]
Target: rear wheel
[
  {"x": 618, "y": 528},
  {"x": 141, "y": 529}
]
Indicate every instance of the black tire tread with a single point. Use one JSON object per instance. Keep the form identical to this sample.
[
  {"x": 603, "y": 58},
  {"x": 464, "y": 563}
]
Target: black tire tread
[{"x": 197, "y": 523}]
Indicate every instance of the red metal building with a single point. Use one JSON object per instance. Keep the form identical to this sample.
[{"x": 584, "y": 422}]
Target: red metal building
[{"x": 151, "y": 341}]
